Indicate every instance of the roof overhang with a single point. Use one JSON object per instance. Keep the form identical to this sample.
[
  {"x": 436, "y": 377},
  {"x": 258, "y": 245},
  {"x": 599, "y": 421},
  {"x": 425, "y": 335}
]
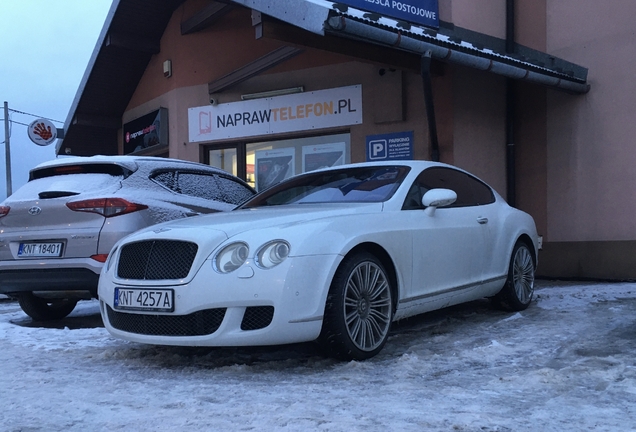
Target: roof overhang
[
  {"x": 121, "y": 55},
  {"x": 126, "y": 45},
  {"x": 447, "y": 44}
]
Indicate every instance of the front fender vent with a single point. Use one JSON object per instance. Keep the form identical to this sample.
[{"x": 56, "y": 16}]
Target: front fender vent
[{"x": 156, "y": 260}]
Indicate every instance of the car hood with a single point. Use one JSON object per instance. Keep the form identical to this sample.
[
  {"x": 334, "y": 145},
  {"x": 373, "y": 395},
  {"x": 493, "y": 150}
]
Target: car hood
[{"x": 216, "y": 227}]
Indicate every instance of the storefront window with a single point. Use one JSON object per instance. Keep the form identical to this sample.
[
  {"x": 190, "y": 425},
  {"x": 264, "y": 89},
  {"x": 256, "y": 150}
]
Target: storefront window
[
  {"x": 226, "y": 159},
  {"x": 268, "y": 162}
]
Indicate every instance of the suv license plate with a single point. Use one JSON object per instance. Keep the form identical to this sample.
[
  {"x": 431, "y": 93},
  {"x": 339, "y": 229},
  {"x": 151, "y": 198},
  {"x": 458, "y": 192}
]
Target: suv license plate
[
  {"x": 40, "y": 250},
  {"x": 156, "y": 300}
]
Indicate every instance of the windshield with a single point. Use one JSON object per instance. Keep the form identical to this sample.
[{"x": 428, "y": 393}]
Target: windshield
[{"x": 361, "y": 184}]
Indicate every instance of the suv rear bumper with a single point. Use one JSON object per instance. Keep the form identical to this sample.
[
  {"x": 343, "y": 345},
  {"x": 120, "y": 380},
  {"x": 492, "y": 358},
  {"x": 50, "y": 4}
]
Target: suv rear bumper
[{"x": 49, "y": 280}]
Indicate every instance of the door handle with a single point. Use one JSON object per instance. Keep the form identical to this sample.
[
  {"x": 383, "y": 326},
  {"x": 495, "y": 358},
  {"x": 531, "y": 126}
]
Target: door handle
[{"x": 482, "y": 220}]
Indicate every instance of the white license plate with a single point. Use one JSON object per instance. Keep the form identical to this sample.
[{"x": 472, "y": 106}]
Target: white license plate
[
  {"x": 40, "y": 250},
  {"x": 157, "y": 300}
]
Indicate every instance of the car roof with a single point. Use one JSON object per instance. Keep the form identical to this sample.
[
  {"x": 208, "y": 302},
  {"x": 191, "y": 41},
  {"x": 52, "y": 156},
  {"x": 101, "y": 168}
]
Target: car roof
[
  {"x": 415, "y": 164},
  {"x": 129, "y": 162}
]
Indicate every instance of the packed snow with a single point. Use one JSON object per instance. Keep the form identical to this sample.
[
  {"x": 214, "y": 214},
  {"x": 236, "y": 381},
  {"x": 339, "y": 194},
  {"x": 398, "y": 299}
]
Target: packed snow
[{"x": 565, "y": 364}]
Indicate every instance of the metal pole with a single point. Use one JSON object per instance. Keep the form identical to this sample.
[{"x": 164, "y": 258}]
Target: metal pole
[{"x": 7, "y": 148}]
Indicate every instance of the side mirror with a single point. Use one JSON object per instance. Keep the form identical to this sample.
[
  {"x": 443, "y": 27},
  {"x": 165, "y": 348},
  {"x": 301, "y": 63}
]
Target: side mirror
[{"x": 438, "y": 198}]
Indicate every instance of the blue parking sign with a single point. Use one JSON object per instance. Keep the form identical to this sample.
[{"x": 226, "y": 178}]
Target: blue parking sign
[{"x": 393, "y": 146}]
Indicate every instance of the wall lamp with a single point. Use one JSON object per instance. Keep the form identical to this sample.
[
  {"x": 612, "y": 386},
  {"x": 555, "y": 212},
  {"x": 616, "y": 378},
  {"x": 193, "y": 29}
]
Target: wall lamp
[{"x": 273, "y": 93}]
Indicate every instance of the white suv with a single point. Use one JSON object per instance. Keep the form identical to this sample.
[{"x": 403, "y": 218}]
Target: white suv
[{"x": 56, "y": 231}]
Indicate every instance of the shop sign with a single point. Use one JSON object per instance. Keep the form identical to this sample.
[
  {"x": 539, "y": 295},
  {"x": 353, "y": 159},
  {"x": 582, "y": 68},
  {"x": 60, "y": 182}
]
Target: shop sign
[
  {"x": 393, "y": 146},
  {"x": 42, "y": 132},
  {"x": 146, "y": 131},
  {"x": 424, "y": 12},
  {"x": 290, "y": 113}
]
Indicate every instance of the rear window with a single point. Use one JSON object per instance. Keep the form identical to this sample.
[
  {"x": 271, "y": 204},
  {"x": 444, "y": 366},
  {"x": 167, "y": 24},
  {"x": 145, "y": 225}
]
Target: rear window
[{"x": 110, "y": 169}]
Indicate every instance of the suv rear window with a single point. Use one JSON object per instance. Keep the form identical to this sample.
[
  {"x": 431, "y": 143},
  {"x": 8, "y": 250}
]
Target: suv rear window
[{"x": 110, "y": 169}]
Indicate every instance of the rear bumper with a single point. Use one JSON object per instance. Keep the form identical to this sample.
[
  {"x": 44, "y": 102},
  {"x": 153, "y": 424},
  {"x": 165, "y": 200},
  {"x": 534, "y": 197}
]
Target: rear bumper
[{"x": 49, "y": 280}]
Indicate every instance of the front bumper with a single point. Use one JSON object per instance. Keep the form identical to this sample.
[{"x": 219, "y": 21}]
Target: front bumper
[{"x": 218, "y": 305}]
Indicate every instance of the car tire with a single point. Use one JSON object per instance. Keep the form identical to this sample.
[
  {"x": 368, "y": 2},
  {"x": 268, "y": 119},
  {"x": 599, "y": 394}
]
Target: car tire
[
  {"x": 358, "y": 310},
  {"x": 517, "y": 292},
  {"x": 45, "y": 309}
]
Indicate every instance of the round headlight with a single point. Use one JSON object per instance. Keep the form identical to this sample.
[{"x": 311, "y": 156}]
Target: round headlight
[
  {"x": 272, "y": 254},
  {"x": 231, "y": 257}
]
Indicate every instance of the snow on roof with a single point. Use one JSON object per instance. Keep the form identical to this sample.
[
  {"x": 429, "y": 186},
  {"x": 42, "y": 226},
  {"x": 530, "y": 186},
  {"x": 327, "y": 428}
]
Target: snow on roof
[{"x": 433, "y": 36}]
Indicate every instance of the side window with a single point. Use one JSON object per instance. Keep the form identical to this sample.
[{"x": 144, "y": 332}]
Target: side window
[
  {"x": 413, "y": 199},
  {"x": 233, "y": 192},
  {"x": 469, "y": 190},
  {"x": 199, "y": 185},
  {"x": 166, "y": 179},
  {"x": 202, "y": 185}
]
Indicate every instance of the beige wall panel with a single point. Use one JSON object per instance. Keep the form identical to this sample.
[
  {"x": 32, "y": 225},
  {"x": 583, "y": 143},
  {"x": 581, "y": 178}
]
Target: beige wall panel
[
  {"x": 374, "y": 88},
  {"x": 591, "y": 157},
  {"x": 479, "y": 126},
  {"x": 207, "y": 55},
  {"x": 484, "y": 16},
  {"x": 530, "y": 23},
  {"x": 531, "y": 153}
]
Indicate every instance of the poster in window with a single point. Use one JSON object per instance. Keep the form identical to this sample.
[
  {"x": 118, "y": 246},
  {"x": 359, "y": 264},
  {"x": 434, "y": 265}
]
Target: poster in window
[
  {"x": 274, "y": 166},
  {"x": 323, "y": 156}
]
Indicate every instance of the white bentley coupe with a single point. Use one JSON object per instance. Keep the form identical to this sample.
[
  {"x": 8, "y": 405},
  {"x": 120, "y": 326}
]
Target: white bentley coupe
[{"x": 334, "y": 255}]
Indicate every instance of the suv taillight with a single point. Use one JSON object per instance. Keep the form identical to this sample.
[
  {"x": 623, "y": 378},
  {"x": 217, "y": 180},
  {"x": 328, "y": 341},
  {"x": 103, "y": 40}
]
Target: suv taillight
[
  {"x": 106, "y": 207},
  {"x": 4, "y": 210}
]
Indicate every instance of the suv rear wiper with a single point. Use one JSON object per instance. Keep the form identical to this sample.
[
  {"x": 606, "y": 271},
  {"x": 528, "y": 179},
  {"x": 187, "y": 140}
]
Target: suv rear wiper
[{"x": 56, "y": 194}]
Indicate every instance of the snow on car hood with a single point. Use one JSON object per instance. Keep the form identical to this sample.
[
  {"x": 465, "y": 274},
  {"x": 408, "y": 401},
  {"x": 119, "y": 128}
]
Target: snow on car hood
[
  {"x": 242, "y": 220},
  {"x": 256, "y": 224}
]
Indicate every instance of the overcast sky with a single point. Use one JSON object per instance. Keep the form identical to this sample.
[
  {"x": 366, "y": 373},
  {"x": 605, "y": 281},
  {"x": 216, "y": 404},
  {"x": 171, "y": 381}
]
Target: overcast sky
[{"x": 45, "y": 47}]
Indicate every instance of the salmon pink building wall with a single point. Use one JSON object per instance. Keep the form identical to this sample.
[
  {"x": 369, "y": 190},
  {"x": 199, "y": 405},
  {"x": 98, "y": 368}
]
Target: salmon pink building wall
[{"x": 574, "y": 154}]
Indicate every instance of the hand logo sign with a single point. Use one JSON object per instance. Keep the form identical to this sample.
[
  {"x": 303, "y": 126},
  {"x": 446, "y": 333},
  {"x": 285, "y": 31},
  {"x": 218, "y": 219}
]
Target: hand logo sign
[{"x": 44, "y": 132}]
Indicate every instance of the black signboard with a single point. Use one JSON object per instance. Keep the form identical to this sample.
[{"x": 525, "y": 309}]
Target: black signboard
[{"x": 147, "y": 131}]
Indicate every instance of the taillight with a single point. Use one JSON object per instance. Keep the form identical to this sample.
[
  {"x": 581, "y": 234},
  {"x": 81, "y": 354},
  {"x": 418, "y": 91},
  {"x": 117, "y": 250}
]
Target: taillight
[
  {"x": 106, "y": 207},
  {"x": 4, "y": 210},
  {"x": 100, "y": 257}
]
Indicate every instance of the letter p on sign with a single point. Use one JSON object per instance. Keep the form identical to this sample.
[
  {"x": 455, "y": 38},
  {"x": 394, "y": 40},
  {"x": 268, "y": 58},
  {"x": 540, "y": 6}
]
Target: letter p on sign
[{"x": 377, "y": 149}]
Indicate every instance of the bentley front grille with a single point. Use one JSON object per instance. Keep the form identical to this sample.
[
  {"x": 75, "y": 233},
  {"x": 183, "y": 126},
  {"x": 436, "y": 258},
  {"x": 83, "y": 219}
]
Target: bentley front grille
[
  {"x": 199, "y": 323},
  {"x": 156, "y": 259}
]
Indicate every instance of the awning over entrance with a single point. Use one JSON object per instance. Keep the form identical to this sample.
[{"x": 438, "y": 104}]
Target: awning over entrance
[{"x": 448, "y": 45}]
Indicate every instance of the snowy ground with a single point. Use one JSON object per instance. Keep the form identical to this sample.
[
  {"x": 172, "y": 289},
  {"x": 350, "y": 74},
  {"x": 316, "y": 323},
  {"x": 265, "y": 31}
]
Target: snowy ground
[{"x": 566, "y": 364}]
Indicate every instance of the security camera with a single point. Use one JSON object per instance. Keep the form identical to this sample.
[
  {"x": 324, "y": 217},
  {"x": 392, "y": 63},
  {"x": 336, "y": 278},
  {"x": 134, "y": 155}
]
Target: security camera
[{"x": 214, "y": 100}]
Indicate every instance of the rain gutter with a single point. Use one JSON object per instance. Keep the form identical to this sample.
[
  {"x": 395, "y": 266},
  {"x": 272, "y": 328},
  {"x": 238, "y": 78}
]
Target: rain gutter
[{"x": 342, "y": 25}]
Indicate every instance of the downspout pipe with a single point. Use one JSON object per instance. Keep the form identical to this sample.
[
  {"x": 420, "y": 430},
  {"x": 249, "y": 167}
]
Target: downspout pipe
[
  {"x": 511, "y": 159},
  {"x": 361, "y": 31},
  {"x": 430, "y": 106}
]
